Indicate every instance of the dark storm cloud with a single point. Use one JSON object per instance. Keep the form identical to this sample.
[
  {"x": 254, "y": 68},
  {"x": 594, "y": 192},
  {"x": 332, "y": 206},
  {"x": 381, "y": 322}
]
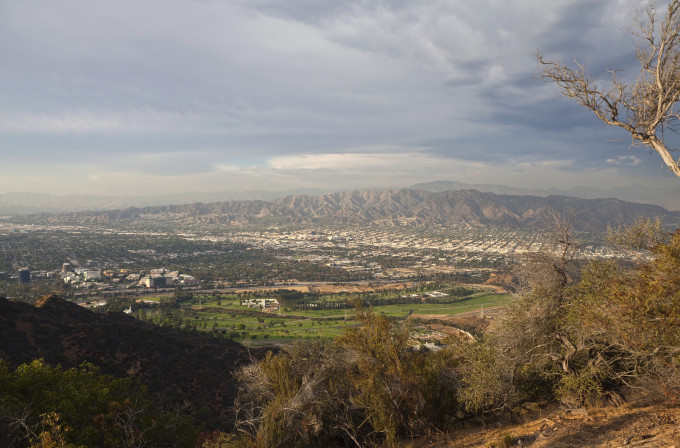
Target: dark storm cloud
[{"x": 576, "y": 28}]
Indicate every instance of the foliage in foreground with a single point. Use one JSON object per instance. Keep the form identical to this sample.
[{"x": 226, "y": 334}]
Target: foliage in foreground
[
  {"x": 570, "y": 335},
  {"x": 367, "y": 387},
  {"x": 574, "y": 335},
  {"x": 596, "y": 337},
  {"x": 44, "y": 406}
]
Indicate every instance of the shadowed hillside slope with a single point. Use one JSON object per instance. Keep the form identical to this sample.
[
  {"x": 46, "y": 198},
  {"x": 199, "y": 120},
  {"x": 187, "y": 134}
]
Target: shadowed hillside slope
[{"x": 173, "y": 365}]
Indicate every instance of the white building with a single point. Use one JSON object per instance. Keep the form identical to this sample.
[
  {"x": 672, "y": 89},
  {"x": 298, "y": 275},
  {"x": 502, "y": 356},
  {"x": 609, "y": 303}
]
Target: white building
[
  {"x": 260, "y": 303},
  {"x": 92, "y": 275},
  {"x": 188, "y": 280},
  {"x": 436, "y": 294}
]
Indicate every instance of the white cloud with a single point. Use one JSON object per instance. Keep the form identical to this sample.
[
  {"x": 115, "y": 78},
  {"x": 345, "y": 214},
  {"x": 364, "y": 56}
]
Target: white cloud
[
  {"x": 624, "y": 160},
  {"x": 363, "y": 161},
  {"x": 385, "y": 167},
  {"x": 544, "y": 164}
]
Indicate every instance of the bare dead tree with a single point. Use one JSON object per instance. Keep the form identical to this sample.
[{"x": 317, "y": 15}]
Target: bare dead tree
[
  {"x": 646, "y": 108},
  {"x": 22, "y": 425},
  {"x": 129, "y": 421}
]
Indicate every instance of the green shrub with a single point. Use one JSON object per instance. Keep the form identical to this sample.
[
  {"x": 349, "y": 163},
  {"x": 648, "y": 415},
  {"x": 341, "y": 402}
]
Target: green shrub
[
  {"x": 580, "y": 388},
  {"x": 83, "y": 407}
]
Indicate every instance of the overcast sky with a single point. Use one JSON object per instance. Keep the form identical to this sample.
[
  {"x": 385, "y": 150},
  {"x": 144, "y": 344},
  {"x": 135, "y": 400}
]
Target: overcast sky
[{"x": 152, "y": 96}]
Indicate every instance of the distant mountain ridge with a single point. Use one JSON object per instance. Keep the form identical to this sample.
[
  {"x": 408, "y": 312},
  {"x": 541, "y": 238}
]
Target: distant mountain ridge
[
  {"x": 420, "y": 207},
  {"x": 20, "y": 203},
  {"x": 666, "y": 198},
  {"x": 31, "y": 203}
]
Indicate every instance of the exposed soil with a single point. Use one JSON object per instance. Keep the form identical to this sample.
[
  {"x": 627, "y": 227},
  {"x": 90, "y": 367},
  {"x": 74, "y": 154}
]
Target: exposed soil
[
  {"x": 636, "y": 424},
  {"x": 503, "y": 280}
]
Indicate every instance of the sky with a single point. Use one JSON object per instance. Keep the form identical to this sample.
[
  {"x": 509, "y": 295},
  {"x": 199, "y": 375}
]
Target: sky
[{"x": 164, "y": 96}]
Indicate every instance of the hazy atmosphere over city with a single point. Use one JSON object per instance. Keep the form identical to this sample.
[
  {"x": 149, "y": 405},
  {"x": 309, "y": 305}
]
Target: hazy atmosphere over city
[{"x": 176, "y": 95}]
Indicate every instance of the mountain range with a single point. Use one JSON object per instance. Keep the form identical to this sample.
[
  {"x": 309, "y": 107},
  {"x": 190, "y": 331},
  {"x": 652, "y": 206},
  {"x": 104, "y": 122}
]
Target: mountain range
[
  {"x": 668, "y": 198},
  {"x": 391, "y": 207},
  {"x": 28, "y": 203}
]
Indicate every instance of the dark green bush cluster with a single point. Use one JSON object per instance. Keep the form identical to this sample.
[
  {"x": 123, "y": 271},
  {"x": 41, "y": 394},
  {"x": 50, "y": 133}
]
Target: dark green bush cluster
[{"x": 44, "y": 406}]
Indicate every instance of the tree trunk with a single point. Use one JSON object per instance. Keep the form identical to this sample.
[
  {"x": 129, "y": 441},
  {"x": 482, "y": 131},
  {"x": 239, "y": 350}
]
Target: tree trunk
[{"x": 665, "y": 155}]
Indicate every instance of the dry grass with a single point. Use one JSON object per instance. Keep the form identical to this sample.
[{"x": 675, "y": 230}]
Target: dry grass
[{"x": 636, "y": 424}]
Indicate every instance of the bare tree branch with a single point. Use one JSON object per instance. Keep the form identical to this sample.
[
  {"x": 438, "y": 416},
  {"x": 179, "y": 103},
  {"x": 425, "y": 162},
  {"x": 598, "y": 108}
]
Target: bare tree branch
[{"x": 646, "y": 108}]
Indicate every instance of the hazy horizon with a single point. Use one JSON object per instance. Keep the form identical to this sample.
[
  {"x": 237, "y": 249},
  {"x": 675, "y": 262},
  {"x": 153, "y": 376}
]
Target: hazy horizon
[{"x": 313, "y": 190}]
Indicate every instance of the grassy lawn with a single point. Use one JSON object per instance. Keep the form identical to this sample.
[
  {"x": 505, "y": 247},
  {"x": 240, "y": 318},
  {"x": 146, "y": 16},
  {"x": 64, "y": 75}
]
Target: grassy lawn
[
  {"x": 466, "y": 306},
  {"x": 486, "y": 300},
  {"x": 225, "y": 317}
]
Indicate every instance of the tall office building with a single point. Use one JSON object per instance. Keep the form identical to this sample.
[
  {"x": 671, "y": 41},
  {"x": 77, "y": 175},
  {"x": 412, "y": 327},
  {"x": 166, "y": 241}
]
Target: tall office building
[{"x": 24, "y": 276}]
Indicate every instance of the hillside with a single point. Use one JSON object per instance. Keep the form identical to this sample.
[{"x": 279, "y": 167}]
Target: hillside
[
  {"x": 640, "y": 423},
  {"x": 176, "y": 365},
  {"x": 668, "y": 198},
  {"x": 419, "y": 207}
]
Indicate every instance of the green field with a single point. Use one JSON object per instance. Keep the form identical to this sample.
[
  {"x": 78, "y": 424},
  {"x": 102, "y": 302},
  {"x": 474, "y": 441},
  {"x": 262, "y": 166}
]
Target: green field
[
  {"x": 486, "y": 300},
  {"x": 224, "y": 316},
  {"x": 465, "y": 306}
]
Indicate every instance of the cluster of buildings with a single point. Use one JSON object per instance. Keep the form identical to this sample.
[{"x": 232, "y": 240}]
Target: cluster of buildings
[
  {"x": 161, "y": 278},
  {"x": 456, "y": 246},
  {"x": 79, "y": 275},
  {"x": 424, "y": 296},
  {"x": 25, "y": 276},
  {"x": 87, "y": 277},
  {"x": 266, "y": 305}
]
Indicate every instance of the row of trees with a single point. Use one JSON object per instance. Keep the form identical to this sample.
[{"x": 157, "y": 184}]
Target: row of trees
[{"x": 296, "y": 300}]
